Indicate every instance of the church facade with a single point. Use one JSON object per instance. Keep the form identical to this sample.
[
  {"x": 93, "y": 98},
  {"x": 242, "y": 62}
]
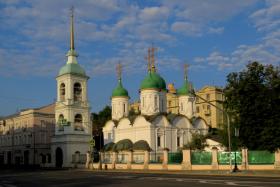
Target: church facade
[{"x": 153, "y": 125}]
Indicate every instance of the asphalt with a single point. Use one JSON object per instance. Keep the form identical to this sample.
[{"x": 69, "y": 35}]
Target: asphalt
[{"x": 57, "y": 178}]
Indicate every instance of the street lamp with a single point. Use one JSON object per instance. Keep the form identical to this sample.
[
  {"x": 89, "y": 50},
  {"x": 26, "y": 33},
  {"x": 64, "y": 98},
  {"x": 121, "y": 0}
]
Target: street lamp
[
  {"x": 236, "y": 134},
  {"x": 228, "y": 123}
]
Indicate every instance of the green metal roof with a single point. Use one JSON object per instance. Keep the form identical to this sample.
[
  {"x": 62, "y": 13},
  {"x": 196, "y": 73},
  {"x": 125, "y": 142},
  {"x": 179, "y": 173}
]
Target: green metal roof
[
  {"x": 141, "y": 145},
  {"x": 72, "y": 68},
  {"x": 185, "y": 89},
  {"x": 153, "y": 81},
  {"x": 120, "y": 91}
]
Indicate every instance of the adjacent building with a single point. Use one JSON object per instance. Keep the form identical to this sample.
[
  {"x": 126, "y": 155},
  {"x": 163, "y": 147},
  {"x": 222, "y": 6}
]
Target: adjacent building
[{"x": 25, "y": 137}]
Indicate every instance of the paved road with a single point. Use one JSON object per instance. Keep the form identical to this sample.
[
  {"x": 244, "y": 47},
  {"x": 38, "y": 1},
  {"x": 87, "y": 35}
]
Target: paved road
[{"x": 70, "y": 178}]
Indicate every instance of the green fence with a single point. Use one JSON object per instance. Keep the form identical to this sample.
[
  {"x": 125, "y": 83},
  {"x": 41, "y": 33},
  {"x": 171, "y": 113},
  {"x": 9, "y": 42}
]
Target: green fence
[
  {"x": 224, "y": 157},
  {"x": 261, "y": 157},
  {"x": 201, "y": 158},
  {"x": 156, "y": 157},
  {"x": 175, "y": 158}
]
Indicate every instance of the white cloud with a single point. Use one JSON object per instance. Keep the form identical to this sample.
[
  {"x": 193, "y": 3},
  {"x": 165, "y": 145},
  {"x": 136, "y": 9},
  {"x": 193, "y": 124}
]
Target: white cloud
[
  {"x": 218, "y": 30},
  {"x": 186, "y": 28}
]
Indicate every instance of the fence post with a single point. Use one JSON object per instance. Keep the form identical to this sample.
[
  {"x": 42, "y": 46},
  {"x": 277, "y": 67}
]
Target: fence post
[
  {"x": 277, "y": 159},
  {"x": 215, "y": 165},
  {"x": 244, "y": 165},
  {"x": 165, "y": 159},
  {"x": 101, "y": 160},
  {"x": 114, "y": 160},
  {"x": 88, "y": 160},
  {"x": 186, "y": 164},
  {"x": 129, "y": 159},
  {"x": 146, "y": 159}
]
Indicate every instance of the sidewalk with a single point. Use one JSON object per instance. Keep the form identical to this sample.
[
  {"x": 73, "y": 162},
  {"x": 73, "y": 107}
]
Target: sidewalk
[{"x": 243, "y": 173}]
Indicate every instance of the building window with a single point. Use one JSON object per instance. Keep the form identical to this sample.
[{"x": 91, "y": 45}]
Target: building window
[
  {"x": 62, "y": 91},
  {"x": 169, "y": 103},
  {"x": 77, "y": 92},
  {"x": 197, "y": 109},
  {"x": 178, "y": 141},
  {"x": 78, "y": 122},
  {"x": 143, "y": 102},
  {"x": 156, "y": 102},
  {"x": 207, "y": 97},
  {"x": 123, "y": 108},
  {"x": 158, "y": 141}
]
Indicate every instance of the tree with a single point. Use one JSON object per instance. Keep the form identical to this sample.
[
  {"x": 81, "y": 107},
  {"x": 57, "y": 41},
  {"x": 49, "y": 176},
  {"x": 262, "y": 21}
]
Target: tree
[
  {"x": 198, "y": 142},
  {"x": 102, "y": 117},
  {"x": 253, "y": 103}
]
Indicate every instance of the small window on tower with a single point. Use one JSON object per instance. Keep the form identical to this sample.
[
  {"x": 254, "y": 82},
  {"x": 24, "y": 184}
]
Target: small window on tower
[
  {"x": 178, "y": 141},
  {"x": 62, "y": 91},
  {"x": 158, "y": 141},
  {"x": 77, "y": 92}
]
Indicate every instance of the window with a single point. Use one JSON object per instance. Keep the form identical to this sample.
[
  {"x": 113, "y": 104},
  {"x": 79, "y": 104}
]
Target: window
[
  {"x": 156, "y": 102},
  {"x": 208, "y": 107},
  {"x": 78, "y": 122},
  {"x": 169, "y": 103},
  {"x": 77, "y": 92},
  {"x": 143, "y": 102},
  {"x": 207, "y": 97},
  {"x": 123, "y": 108},
  {"x": 178, "y": 141},
  {"x": 197, "y": 109},
  {"x": 158, "y": 141},
  {"x": 61, "y": 119},
  {"x": 62, "y": 91}
]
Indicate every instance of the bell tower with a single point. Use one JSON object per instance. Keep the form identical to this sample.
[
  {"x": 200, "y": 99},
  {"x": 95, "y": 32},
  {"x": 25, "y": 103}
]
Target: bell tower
[{"x": 72, "y": 110}]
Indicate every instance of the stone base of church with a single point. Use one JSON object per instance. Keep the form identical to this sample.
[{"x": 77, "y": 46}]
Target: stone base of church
[{"x": 69, "y": 150}]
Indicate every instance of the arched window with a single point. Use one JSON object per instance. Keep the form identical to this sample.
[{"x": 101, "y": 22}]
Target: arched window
[
  {"x": 61, "y": 119},
  {"x": 62, "y": 91},
  {"x": 77, "y": 92},
  {"x": 78, "y": 122}
]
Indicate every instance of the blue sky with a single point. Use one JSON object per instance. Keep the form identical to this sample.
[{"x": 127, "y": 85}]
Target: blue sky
[{"x": 214, "y": 36}]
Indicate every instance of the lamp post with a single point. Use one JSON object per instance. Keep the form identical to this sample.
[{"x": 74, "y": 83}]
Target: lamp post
[
  {"x": 236, "y": 134},
  {"x": 228, "y": 123}
]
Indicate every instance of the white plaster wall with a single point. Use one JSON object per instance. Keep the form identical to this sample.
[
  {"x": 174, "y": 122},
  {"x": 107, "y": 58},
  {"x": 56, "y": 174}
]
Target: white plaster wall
[
  {"x": 119, "y": 107},
  {"x": 187, "y": 106},
  {"x": 149, "y": 100},
  {"x": 109, "y": 129}
]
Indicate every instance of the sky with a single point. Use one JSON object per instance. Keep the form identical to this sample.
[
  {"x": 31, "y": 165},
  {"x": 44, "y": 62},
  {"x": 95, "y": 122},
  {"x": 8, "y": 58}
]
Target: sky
[{"x": 215, "y": 37}]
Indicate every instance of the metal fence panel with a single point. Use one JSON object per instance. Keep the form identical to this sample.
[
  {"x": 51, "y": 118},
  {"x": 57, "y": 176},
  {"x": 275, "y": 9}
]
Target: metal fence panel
[
  {"x": 108, "y": 158},
  {"x": 261, "y": 157},
  {"x": 138, "y": 158},
  {"x": 175, "y": 158},
  {"x": 156, "y": 157},
  {"x": 122, "y": 158},
  {"x": 201, "y": 158},
  {"x": 224, "y": 157}
]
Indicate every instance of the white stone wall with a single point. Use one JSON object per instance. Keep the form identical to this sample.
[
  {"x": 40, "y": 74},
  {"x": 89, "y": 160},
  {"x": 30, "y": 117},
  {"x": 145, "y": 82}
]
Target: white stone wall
[
  {"x": 119, "y": 107},
  {"x": 152, "y": 102},
  {"x": 187, "y": 106}
]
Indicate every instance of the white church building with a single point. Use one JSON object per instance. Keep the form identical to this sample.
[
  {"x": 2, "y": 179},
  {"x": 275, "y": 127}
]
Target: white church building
[{"x": 159, "y": 129}]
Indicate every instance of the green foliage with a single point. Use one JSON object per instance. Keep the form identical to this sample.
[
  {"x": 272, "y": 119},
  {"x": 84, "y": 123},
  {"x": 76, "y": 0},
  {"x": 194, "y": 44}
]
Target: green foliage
[
  {"x": 102, "y": 117},
  {"x": 253, "y": 102},
  {"x": 198, "y": 142}
]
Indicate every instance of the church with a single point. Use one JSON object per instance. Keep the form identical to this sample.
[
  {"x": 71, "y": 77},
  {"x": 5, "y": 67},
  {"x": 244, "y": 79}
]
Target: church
[{"x": 153, "y": 125}]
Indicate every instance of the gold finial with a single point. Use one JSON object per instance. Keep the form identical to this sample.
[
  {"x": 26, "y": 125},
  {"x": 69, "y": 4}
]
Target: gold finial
[
  {"x": 119, "y": 71},
  {"x": 186, "y": 66},
  {"x": 72, "y": 47}
]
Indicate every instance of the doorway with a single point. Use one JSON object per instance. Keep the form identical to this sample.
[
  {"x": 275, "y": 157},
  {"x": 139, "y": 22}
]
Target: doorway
[{"x": 58, "y": 157}]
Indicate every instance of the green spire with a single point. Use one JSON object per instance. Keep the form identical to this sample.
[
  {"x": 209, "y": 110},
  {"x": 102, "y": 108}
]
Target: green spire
[
  {"x": 72, "y": 51},
  {"x": 186, "y": 88}
]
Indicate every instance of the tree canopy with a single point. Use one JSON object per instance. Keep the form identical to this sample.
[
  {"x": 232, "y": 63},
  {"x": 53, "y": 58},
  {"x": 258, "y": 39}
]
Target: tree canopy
[
  {"x": 253, "y": 103},
  {"x": 100, "y": 119}
]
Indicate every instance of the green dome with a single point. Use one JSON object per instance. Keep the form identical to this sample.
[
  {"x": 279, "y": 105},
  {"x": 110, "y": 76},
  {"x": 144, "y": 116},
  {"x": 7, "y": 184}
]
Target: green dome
[
  {"x": 154, "y": 81},
  {"x": 185, "y": 89},
  {"x": 120, "y": 91},
  {"x": 108, "y": 146},
  {"x": 72, "y": 68}
]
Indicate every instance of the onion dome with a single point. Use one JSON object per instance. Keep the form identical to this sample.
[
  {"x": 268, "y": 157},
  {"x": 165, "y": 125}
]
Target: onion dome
[
  {"x": 153, "y": 81},
  {"x": 120, "y": 91}
]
